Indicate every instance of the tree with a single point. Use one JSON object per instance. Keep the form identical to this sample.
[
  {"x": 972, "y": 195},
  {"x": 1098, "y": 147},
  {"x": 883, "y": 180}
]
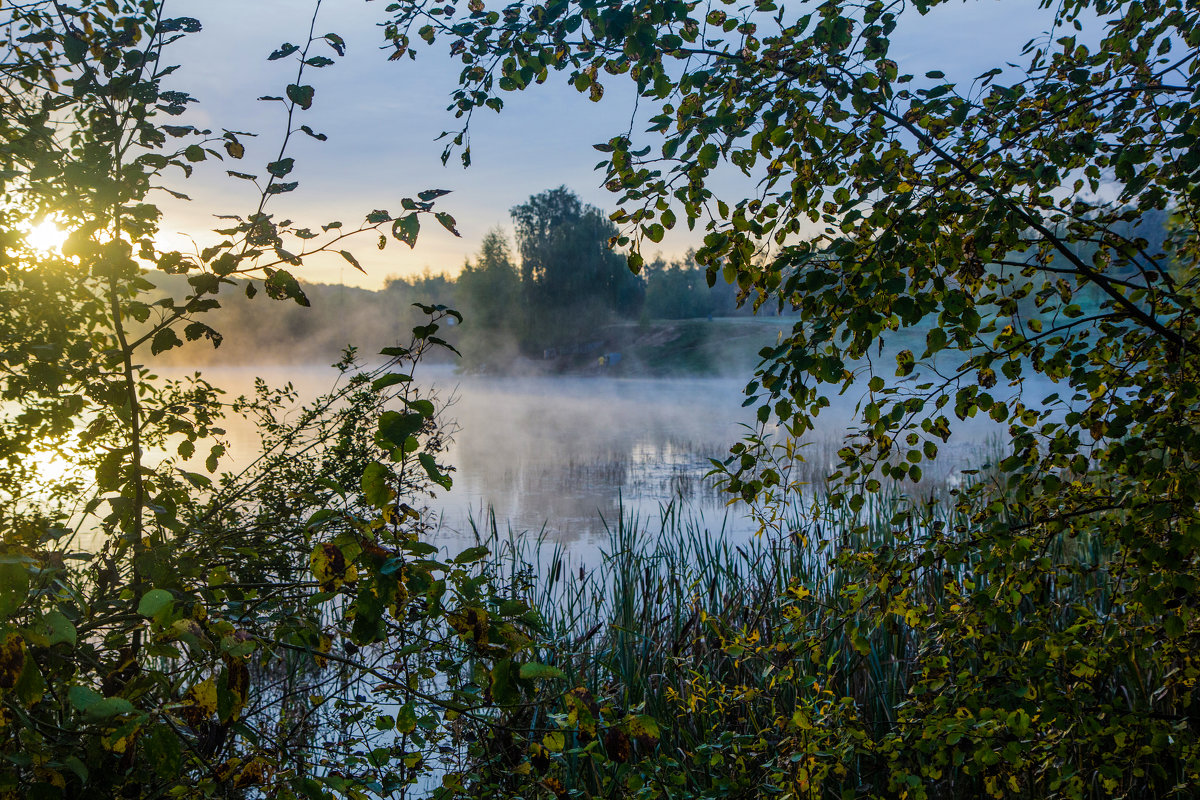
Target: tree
[
  {"x": 168, "y": 628},
  {"x": 567, "y": 267},
  {"x": 957, "y": 214},
  {"x": 490, "y": 288},
  {"x": 679, "y": 290}
]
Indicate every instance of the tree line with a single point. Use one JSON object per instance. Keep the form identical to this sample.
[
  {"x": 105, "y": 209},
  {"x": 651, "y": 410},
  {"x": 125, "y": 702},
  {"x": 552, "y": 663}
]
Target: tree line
[{"x": 560, "y": 286}]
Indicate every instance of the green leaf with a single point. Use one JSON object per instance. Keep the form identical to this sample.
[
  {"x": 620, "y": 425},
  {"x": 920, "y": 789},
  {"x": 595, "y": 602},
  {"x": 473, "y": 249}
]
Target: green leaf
[
  {"x": 406, "y": 718},
  {"x": 283, "y": 52},
  {"x": 75, "y": 48},
  {"x": 423, "y": 407},
  {"x": 214, "y": 456},
  {"x": 471, "y": 555},
  {"x": 154, "y": 601},
  {"x": 434, "y": 471},
  {"x": 390, "y": 379},
  {"x": 532, "y": 671},
  {"x": 644, "y": 726},
  {"x": 281, "y": 167},
  {"x": 83, "y": 697},
  {"x": 14, "y": 586},
  {"x": 504, "y": 689},
  {"x": 301, "y": 95},
  {"x": 30, "y": 686},
  {"x": 59, "y": 629},
  {"x": 395, "y": 427},
  {"x": 109, "y": 707},
  {"x": 376, "y": 484}
]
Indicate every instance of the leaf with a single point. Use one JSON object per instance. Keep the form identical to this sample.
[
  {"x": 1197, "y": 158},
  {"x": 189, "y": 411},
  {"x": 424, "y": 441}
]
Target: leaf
[
  {"x": 644, "y": 729},
  {"x": 166, "y": 339},
  {"x": 74, "y": 47},
  {"x": 95, "y": 706},
  {"x": 376, "y": 485},
  {"x": 154, "y": 601},
  {"x": 532, "y": 671},
  {"x": 214, "y": 456},
  {"x": 471, "y": 555},
  {"x": 283, "y": 285},
  {"x": 336, "y": 42},
  {"x": 434, "y": 471},
  {"x": 59, "y": 629},
  {"x": 301, "y": 95},
  {"x": 504, "y": 690},
  {"x": 447, "y": 223},
  {"x": 423, "y": 407},
  {"x": 432, "y": 194},
  {"x": 281, "y": 167},
  {"x": 330, "y": 568},
  {"x": 320, "y": 137},
  {"x": 76, "y": 766},
  {"x": 283, "y": 52},
  {"x": 395, "y": 427},
  {"x": 406, "y": 228},
  {"x": 12, "y": 660},
  {"x": 346, "y": 254},
  {"x": 406, "y": 718},
  {"x": 390, "y": 379},
  {"x": 235, "y": 149},
  {"x": 14, "y": 585},
  {"x": 83, "y": 697},
  {"x": 202, "y": 697},
  {"x": 30, "y": 686}
]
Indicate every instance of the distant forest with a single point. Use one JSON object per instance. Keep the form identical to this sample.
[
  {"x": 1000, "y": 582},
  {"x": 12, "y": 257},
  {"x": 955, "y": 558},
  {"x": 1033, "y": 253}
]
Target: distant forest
[{"x": 561, "y": 298}]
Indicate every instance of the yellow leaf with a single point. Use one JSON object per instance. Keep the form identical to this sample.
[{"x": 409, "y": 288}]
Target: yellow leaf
[
  {"x": 203, "y": 697},
  {"x": 12, "y": 660},
  {"x": 330, "y": 568}
]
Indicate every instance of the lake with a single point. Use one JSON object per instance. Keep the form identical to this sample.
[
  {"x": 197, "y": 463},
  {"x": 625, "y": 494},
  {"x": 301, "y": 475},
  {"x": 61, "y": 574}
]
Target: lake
[{"x": 561, "y": 456}]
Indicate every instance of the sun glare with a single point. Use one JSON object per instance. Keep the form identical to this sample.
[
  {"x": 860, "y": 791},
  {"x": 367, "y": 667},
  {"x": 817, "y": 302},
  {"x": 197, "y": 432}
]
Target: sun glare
[{"x": 45, "y": 237}]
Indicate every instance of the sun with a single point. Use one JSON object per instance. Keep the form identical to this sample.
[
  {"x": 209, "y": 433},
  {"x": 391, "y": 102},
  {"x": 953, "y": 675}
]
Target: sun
[{"x": 45, "y": 237}]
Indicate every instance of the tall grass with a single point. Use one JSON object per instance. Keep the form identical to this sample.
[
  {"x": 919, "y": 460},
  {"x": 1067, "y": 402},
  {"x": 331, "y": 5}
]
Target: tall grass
[{"x": 694, "y": 628}]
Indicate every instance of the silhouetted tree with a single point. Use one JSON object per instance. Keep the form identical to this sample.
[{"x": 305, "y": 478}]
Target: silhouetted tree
[
  {"x": 566, "y": 263},
  {"x": 489, "y": 290}
]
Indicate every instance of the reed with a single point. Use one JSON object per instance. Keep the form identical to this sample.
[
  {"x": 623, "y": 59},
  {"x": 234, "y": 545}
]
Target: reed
[{"x": 721, "y": 640}]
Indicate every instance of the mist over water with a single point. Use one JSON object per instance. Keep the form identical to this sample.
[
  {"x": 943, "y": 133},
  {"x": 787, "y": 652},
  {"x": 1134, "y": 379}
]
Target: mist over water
[
  {"x": 562, "y": 456},
  {"x": 569, "y": 453}
]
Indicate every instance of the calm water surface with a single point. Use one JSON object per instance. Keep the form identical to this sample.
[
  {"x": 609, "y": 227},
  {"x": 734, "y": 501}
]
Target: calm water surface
[{"x": 562, "y": 455}]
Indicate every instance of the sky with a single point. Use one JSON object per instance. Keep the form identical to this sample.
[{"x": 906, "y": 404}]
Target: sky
[{"x": 383, "y": 118}]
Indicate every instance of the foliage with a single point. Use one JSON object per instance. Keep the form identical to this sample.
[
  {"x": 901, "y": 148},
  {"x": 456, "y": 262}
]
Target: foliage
[
  {"x": 166, "y": 628},
  {"x": 887, "y": 201}
]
